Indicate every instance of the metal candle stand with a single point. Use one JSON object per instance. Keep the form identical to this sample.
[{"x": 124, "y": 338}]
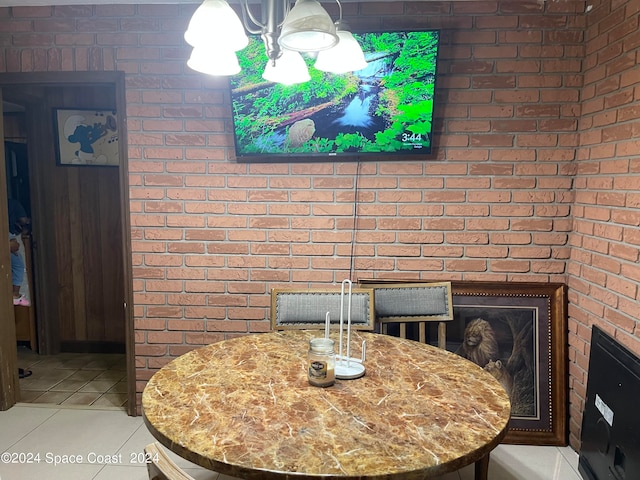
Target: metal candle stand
[{"x": 347, "y": 368}]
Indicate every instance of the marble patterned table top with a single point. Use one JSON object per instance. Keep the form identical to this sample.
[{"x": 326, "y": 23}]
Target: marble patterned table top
[{"x": 244, "y": 407}]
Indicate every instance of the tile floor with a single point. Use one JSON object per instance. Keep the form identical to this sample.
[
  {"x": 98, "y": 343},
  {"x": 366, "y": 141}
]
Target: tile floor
[
  {"x": 74, "y": 405},
  {"x": 74, "y": 379},
  {"x": 110, "y": 443}
]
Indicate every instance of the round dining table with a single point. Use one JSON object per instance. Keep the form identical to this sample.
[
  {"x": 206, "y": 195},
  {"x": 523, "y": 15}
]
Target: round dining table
[{"x": 244, "y": 407}]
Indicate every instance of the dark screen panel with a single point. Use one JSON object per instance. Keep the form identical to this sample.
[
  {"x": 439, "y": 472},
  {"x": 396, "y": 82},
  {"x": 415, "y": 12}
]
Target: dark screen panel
[{"x": 610, "y": 435}]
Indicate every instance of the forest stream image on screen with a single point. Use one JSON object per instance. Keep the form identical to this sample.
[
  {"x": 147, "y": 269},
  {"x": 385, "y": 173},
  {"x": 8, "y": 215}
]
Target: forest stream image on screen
[{"x": 385, "y": 108}]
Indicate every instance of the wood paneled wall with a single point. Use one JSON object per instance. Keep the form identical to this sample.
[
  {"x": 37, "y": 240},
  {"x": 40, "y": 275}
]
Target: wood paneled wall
[
  {"x": 79, "y": 234},
  {"x": 86, "y": 219},
  {"x": 14, "y": 127}
]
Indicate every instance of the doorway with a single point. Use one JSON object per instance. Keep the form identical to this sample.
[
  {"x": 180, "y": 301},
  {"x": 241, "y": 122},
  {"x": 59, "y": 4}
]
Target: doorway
[{"x": 81, "y": 246}]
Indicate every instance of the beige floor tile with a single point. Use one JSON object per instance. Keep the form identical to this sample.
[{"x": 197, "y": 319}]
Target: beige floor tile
[
  {"x": 46, "y": 361},
  {"x": 47, "y": 374},
  {"x": 49, "y": 377},
  {"x": 100, "y": 363},
  {"x": 81, "y": 398},
  {"x": 77, "y": 379},
  {"x": 110, "y": 400},
  {"x": 116, "y": 375},
  {"x": 54, "y": 398},
  {"x": 122, "y": 472},
  {"x": 78, "y": 431},
  {"x": 202, "y": 474},
  {"x": 20, "y": 421},
  {"x": 72, "y": 430},
  {"x": 100, "y": 386},
  {"x": 84, "y": 375},
  {"x": 43, "y": 470},
  {"x": 76, "y": 363},
  {"x": 69, "y": 386},
  {"x": 28, "y": 396},
  {"x": 120, "y": 387},
  {"x": 35, "y": 384}
]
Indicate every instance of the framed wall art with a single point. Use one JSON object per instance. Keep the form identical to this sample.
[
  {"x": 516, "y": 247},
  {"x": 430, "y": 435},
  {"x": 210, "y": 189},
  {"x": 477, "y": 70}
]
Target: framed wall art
[
  {"x": 518, "y": 332},
  {"x": 86, "y": 137}
]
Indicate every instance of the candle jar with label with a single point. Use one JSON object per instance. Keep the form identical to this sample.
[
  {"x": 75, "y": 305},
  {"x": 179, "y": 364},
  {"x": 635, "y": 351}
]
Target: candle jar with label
[{"x": 321, "y": 362}]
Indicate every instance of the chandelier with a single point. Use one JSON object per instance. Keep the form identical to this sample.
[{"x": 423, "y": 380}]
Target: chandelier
[{"x": 216, "y": 33}]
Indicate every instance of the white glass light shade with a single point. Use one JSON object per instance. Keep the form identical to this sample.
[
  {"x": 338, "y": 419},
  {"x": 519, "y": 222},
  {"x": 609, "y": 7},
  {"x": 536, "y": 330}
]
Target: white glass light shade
[
  {"x": 345, "y": 57},
  {"x": 289, "y": 69},
  {"x": 308, "y": 28},
  {"x": 215, "y": 23},
  {"x": 214, "y": 62}
]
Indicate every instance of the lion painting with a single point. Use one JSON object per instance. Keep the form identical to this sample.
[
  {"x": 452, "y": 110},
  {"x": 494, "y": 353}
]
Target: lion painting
[
  {"x": 500, "y": 372},
  {"x": 479, "y": 343}
]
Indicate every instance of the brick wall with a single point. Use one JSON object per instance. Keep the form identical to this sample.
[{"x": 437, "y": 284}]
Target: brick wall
[
  {"x": 211, "y": 237},
  {"x": 603, "y": 272}
]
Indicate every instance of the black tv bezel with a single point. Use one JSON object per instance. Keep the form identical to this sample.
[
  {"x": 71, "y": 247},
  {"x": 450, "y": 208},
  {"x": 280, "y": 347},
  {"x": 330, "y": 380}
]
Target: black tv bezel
[
  {"x": 590, "y": 460},
  {"x": 405, "y": 155}
]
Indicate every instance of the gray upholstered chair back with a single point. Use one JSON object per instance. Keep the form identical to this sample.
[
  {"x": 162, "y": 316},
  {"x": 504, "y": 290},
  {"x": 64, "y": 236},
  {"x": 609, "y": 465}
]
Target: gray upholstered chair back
[
  {"x": 307, "y": 309},
  {"x": 403, "y": 303}
]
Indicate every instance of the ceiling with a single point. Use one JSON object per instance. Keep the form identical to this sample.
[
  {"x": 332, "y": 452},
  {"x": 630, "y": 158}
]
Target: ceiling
[{"x": 31, "y": 3}]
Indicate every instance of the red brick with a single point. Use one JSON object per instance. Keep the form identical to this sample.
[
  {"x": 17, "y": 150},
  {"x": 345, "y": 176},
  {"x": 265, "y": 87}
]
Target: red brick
[
  {"x": 150, "y": 350},
  {"x": 466, "y": 266},
  {"x": 165, "y": 337},
  {"x": 200, "y": 339},
  {"x": 528, "y": 132},
  {"x": 185, "y": 325},
  {"x": 497, "y": 22}
]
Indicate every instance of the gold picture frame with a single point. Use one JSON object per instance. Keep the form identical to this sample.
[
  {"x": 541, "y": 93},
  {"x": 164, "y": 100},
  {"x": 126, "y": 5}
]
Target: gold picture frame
[
  {"x": 530, "y": 316},
  {"x": 529, "y": 322}
]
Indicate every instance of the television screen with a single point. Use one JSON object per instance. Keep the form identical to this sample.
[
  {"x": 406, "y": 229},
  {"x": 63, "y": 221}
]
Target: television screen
[{"x": 385, "y": 108}]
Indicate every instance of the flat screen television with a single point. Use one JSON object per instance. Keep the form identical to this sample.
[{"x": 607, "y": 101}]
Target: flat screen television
[
  {"x": 610, "y": 436},
  {"x": 385, "y": 108}
]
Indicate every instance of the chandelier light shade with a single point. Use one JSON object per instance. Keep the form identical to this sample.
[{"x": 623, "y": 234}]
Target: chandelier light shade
[
  {"x": 289, "y": 69},
  {"x": 345, "y": 57},
  {"x": 216, "y": 32},
  {"x": 308, "y": 28},
  {"x": 215, "y": 25},
  {"x": 214, "y": 62}
]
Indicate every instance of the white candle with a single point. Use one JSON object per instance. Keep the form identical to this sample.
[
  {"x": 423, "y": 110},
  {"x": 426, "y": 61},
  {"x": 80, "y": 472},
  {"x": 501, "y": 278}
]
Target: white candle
[{"x": 327, "y": 322}]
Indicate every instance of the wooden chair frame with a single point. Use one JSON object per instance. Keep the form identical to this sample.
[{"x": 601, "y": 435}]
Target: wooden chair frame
[
  {"x": 321, "y": 300},
  {"x": 160, "y": 466}
]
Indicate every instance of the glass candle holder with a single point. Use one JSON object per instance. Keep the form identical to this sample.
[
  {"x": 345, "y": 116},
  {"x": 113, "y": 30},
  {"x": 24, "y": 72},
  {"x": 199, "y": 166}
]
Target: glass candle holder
[{"x": 321, "y": 362}]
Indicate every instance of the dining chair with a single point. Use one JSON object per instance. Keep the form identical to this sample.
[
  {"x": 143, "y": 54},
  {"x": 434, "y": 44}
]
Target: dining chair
[
  {"x": 293, "y": 308},
  {"x": 402, "y": 304},
  {"x": 160, "y": 466}
]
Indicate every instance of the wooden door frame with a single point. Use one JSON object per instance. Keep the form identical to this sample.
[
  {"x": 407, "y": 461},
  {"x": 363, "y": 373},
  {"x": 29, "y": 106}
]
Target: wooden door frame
[
  {"x": 116, "y": 80},
  {"x": 9, "y": 386}
]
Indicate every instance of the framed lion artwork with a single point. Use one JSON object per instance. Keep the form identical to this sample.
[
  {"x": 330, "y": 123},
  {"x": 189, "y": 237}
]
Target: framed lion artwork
[{"x": 518, "y": 333}]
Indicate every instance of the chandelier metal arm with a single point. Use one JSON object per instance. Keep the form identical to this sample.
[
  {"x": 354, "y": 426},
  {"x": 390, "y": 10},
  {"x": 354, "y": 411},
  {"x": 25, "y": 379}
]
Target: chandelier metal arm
[
  {"x": 273, "y": 14},
  {"x": 340, "y": 10},
  {"x": 248, "y": 19}
]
